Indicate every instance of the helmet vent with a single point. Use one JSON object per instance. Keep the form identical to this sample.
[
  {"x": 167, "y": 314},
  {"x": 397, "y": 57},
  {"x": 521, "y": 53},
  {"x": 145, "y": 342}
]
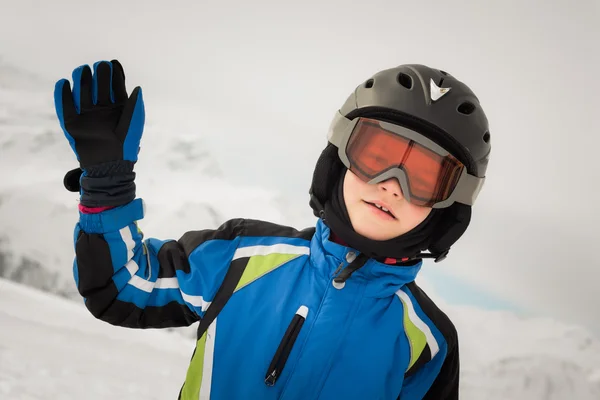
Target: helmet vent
[
  {"x": 405, "y": 80},
  {"x": 369, "y": 83},
  {"x": 444, "y": 73},
  {"x": 486, "y": 137},
  {"x": 466, "y": 108}
]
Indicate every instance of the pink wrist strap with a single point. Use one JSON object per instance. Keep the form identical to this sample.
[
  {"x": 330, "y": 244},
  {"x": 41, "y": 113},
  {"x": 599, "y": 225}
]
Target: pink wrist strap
[{"x": 92, "y": 210}]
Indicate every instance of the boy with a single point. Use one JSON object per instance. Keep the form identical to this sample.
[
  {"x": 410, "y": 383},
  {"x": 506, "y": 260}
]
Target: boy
[{"x": 330, "y": 312}]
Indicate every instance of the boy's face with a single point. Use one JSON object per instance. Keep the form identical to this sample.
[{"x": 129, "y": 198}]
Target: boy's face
[{"x": 372, "y": 222}]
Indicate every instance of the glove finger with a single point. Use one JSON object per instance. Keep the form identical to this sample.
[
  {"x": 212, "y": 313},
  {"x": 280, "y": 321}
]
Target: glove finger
[
  {"x": 102, "y": 85},
  {"x": 131, "y": 125},
  {"x": 82, "y": 88},
  {"x": 118, "y": 83},
  {"x": 65, "y": 108},
  {"x": 64, "y": 102}
]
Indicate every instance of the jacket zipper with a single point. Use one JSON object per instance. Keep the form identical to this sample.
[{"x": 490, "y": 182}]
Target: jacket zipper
[{"x": 285, "y": 346}]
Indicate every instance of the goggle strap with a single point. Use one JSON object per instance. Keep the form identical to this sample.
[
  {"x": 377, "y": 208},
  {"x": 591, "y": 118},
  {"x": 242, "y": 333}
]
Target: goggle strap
[{"x": 338, "y": 128}]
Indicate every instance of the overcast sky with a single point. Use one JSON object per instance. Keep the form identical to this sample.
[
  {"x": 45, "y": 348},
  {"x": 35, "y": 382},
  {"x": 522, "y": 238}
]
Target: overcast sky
[{"x": 259, "y": 81}]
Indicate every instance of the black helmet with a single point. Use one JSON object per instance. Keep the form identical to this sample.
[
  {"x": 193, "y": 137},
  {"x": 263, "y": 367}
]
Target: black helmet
[{"x": 432, "y": 103}]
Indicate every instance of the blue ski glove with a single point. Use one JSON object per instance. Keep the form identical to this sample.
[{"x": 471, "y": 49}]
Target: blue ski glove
[{"x": 104, "y": 128}]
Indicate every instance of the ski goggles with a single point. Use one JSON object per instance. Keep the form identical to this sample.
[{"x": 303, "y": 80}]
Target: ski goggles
[{"x": 428, "y": 174}]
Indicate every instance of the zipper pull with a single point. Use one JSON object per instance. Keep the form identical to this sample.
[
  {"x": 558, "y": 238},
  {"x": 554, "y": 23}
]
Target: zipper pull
[
  {"x": 272, "y": 378},
  {"x": 339, "y": 268},
  {"x": 350, "y": 257}
]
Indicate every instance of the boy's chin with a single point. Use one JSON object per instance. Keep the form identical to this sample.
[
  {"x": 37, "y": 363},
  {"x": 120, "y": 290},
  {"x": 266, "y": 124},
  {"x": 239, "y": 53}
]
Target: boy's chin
[{"x": 376, "y": 233}]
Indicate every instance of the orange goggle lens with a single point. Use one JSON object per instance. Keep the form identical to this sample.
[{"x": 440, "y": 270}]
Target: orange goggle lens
[{"x": 373, "y": 150}]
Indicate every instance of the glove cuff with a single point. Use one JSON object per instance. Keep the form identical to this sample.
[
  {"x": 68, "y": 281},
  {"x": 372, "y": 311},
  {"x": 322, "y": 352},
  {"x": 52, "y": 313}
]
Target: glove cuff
[
  {"x": 107, "y": 191},
  {"x": 120, "y": 167},
  {"x": 108, "y": 185}
]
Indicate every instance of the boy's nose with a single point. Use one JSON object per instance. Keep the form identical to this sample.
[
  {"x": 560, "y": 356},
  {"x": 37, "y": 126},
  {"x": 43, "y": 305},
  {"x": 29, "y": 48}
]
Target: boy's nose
[{"x": 392, "y": 186}]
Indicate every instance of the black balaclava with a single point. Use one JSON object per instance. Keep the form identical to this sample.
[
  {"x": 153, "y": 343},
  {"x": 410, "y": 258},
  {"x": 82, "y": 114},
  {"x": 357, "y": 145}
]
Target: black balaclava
[{"x": 405, "y": 246}]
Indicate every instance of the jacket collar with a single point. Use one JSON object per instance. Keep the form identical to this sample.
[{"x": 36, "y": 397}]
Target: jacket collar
[{"x": 383, "y": 279}]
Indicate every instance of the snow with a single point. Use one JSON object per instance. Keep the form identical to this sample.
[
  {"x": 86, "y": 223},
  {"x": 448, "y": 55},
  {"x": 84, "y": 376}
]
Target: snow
[
  {"x": 507, "y": 356},
  {"x": 52, "y": 348}
]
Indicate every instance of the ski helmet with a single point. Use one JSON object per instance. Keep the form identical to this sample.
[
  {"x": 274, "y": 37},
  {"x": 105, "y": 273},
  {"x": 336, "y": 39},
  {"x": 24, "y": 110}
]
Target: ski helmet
[{"x": 432, "y": 103}]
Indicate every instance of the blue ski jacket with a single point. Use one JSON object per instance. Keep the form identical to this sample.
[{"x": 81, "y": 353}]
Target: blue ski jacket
[{"x": 289, "y": 331}]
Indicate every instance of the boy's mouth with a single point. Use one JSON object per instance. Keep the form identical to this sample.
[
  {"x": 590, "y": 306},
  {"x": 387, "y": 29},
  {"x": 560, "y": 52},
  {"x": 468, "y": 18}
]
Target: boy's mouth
[{"x": 381, "y": 207}]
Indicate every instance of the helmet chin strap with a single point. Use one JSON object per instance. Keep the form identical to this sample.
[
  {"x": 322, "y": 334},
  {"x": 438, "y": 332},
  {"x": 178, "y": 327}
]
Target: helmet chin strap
[
  {"x": 437, "y": 257},
  {"x": 316, "y": 204}
]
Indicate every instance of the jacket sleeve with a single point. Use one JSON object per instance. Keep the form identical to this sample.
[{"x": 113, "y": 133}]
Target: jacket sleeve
[
  {"x": 437, "y": 377},
  {"x": 445, "y": 385},
  {"x": 133, "y": 282}
]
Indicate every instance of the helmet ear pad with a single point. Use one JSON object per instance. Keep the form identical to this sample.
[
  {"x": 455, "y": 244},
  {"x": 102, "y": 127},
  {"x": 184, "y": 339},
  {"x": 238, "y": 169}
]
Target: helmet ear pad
[
  {"x": 450, "y": 228},
  {"x": 328, "y": 170}
]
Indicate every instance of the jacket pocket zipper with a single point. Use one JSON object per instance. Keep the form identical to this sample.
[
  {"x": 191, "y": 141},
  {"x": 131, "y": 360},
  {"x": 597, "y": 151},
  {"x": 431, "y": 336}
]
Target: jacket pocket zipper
[{"x": 285, "y": 347}]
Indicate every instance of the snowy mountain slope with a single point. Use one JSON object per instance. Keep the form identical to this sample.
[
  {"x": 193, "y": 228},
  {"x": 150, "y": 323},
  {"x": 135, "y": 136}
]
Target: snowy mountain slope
[
  {"x": 505, "y": 356},
  {"x": 179, "y": 180},
  {"x": 53, "y": 348},
  {"x": 13, "y": 77}
]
